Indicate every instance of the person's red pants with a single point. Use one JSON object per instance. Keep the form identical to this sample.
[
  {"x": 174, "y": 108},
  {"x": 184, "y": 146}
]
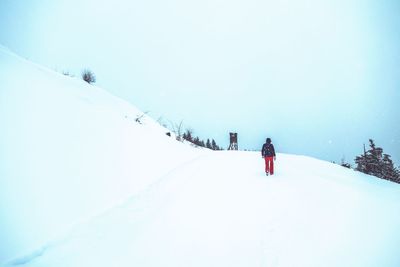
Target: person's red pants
[{"x": 269, "y": 165}]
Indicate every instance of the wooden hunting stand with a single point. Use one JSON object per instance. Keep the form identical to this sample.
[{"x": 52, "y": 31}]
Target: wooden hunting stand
[{"x": 233, "y": 141}]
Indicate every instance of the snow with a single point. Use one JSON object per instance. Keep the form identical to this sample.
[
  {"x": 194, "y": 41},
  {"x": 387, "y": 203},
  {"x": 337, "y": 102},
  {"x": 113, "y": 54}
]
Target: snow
[
  {"x": 83, "y": 184},
  {"x": 69, "y": 150}
]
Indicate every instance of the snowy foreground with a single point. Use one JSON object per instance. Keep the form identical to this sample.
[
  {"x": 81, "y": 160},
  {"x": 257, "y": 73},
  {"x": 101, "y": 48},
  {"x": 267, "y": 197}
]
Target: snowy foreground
[{"x": 83, "y": 184}]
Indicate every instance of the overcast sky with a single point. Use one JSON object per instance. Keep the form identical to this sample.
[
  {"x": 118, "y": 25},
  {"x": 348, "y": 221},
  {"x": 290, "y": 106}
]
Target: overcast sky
[{"x": 318, "y": 77}]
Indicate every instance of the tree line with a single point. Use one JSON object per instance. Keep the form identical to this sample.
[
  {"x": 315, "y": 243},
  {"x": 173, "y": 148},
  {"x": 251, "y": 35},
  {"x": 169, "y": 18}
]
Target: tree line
[
  {"x": 374, "y": 162},
  {"x": 211, "y": 144}
]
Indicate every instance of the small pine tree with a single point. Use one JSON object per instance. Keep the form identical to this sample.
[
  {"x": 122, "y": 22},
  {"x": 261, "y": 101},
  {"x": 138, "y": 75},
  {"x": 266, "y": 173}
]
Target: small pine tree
[
  {"x": 196, "y": 141},
  {"x": 398, "y": 175},
  {"x": 389, "y": 171},
  {"x": 361, "y": 162},
  {"x": 188, "y": 136},
  {"x": 374, "y": 160},
  {"x": 214, "y": 145},
  {"x": 208, "y": 144}
]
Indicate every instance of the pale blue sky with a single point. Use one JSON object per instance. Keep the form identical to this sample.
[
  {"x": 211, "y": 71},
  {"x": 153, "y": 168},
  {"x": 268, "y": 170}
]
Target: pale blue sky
[{"x": 319, "y": 77}]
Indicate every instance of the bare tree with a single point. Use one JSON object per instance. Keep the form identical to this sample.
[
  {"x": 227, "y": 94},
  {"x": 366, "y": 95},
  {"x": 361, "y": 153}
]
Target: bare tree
[
  {"x": 177, "y": 129},
  {"x": 160, "y": 121},
  {"x": 139, "y": 117}
]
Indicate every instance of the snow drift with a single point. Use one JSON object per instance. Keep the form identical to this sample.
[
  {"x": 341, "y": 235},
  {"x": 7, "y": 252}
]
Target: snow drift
[{"x": 83, "y": 184}]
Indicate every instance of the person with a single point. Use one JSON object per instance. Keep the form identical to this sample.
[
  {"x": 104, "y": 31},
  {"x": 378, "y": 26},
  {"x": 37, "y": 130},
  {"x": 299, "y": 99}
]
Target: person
[{"x": 268, "y": 153}]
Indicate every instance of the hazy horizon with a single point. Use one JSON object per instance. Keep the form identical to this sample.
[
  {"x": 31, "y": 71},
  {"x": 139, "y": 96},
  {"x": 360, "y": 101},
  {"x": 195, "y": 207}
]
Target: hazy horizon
[{"x": 319, "y": 78}]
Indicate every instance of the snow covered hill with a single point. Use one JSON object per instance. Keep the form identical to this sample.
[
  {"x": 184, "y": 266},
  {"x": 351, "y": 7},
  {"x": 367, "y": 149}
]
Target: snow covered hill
[
  {"x": 69, "y": 150},
  {"x": 83, "y": 184}
]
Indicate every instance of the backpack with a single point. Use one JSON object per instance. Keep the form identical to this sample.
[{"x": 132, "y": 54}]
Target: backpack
[{"x": 267, "y": 151}]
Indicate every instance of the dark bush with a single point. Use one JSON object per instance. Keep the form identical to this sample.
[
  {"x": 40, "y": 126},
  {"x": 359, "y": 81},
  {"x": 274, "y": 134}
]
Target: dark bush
[{"x": 88, "y": 76}]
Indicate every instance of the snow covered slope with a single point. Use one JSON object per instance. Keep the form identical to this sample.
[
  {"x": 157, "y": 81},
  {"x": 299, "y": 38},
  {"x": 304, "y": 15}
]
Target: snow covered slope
[
  {"x": 68, "y": 150},
  {"x": 219, "y": 210},
  {"x": 73, "y": 154}
]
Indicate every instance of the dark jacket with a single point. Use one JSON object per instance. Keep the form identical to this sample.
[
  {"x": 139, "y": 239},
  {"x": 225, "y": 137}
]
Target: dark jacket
[{"x": 268, "y": 150}]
